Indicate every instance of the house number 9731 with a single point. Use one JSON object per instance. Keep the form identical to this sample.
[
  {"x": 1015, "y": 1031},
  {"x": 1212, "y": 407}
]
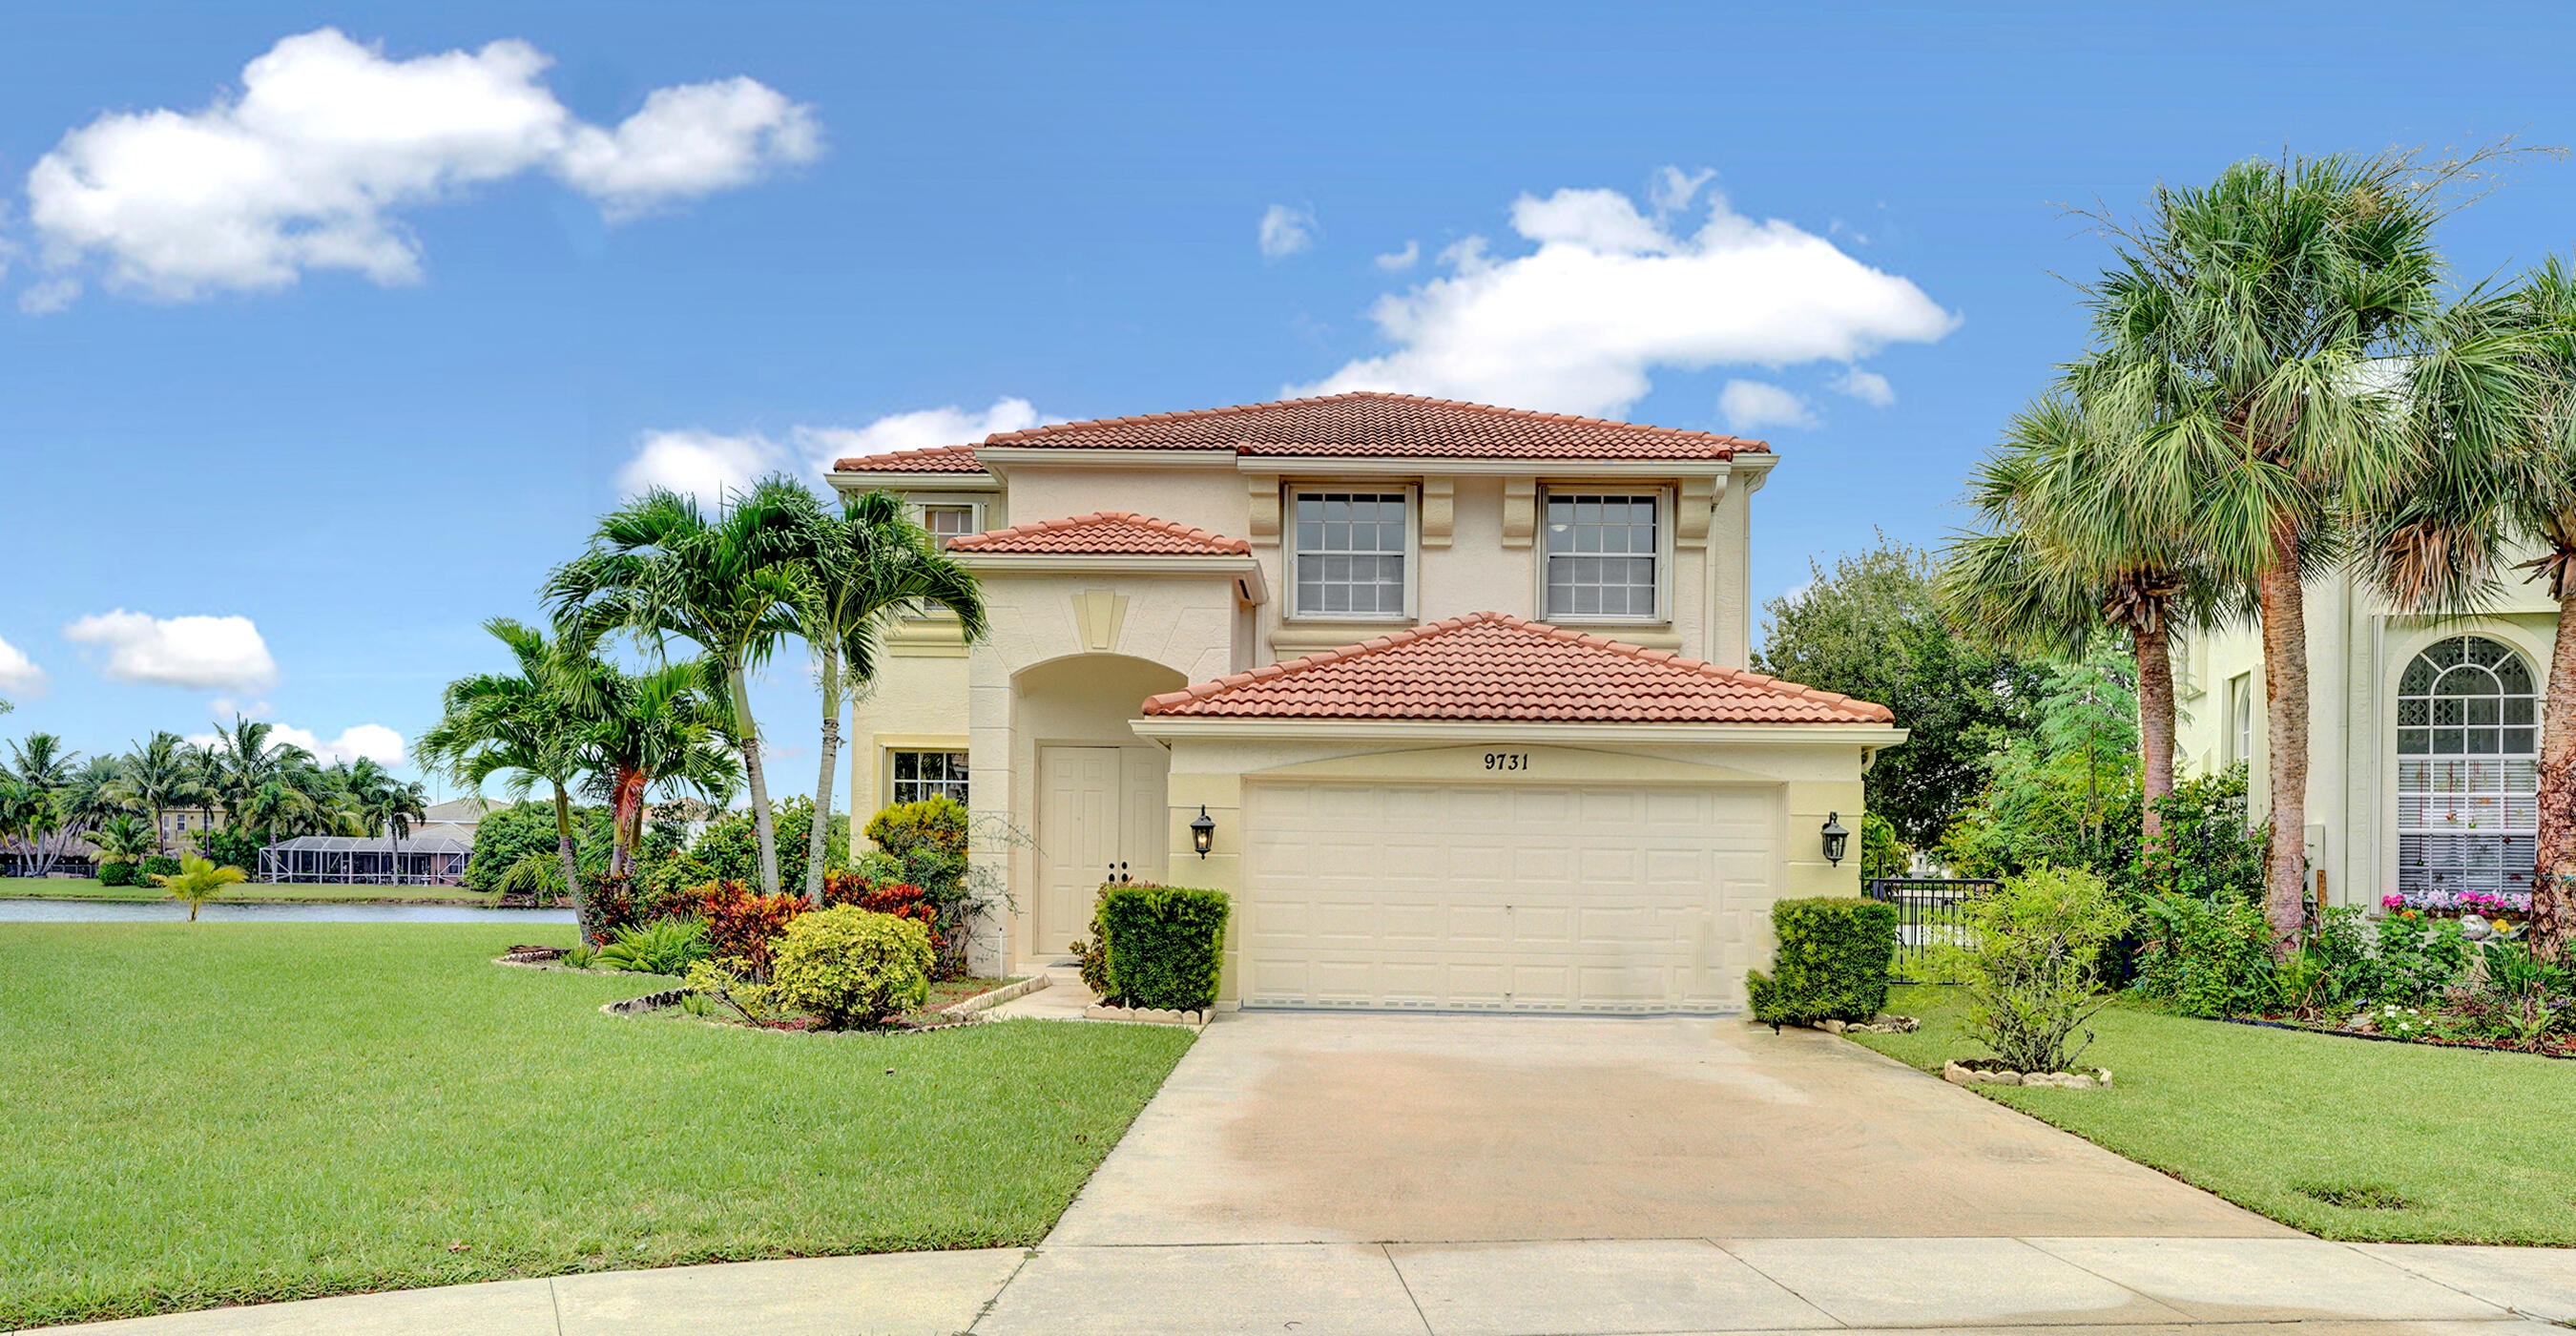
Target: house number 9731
[{"x": 1507, "y": 760}]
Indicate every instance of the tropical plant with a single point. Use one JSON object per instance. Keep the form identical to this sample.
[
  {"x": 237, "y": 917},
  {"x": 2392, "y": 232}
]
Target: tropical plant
[
  {"x": 386, "y": 805},
  {"x": 538, "y": 877},
  {"x": 664, "y": 728},
  {"x": 520, "y": 725},
  {"x": 38, "y": 823},
  {"x": 1872, "y": 626},
  {"x": 2273, "y": 355},
  {"x": 2032, "y": 965},
  {"x": 846, "y": 966},
  {"x": 732, "y": 583},
  {"x": 729, "y": 848},
  {"x": 123, "y": 839},
  {"x": 156, "y": 777},
  {"x": 870, "y": 566},
  {"x": 667, "y": 945},
  {"x": 2064, "y": 791},
  {"x": 198, "y": 881}
]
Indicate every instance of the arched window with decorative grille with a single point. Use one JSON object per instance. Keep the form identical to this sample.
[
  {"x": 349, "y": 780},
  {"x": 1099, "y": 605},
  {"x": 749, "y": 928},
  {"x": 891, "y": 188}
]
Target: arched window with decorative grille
[{"x": 2468, "y": 771}]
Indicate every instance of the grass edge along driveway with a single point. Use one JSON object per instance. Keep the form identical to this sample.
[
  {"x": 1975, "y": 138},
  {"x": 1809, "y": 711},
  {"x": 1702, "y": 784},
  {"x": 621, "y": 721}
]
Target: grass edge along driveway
[
  {"x": 212, "y": 1113},
  {"x": 2344, "y": 1138}
]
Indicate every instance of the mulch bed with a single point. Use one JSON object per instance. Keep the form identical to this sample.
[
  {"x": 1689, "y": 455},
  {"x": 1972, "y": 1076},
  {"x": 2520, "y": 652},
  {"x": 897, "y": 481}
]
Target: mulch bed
[{"x": 2552, "y": 1046}]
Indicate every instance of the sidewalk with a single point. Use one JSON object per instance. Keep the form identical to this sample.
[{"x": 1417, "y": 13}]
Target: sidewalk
[{"x": 1578, "y": 1288}]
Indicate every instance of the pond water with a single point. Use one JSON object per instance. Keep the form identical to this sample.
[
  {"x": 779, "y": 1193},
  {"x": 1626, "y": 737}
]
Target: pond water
[{"x": 116, "y": 911}]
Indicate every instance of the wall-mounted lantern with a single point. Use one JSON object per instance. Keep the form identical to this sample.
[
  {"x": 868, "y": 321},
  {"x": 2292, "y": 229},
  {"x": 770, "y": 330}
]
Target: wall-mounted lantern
[
  {"x": 1835, "y": 838},
  {"x": 1203, "y": 832}
]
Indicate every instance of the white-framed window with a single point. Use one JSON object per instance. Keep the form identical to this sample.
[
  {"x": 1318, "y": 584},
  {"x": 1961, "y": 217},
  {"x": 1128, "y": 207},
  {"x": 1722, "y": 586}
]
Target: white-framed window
[
  {"x": 950, "y": 519},
  {"x": 2468, "y": 769},
  {"x": 1604, "y": 556},
  {"x": 2240, "y": 719},
  {"x": 1351, "y": 546},
  {"x": 922, "y": 775}
]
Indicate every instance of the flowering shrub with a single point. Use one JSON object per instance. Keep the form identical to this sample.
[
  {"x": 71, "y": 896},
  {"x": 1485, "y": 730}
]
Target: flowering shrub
[
  {"x": 2470, "y": 902},
  {"x": 742, "y": 925}
]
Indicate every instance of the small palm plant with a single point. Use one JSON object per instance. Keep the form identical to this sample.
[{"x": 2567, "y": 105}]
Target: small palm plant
[
  {"x": 125, "y": 840},
  {"x": 197, "y": 881}
]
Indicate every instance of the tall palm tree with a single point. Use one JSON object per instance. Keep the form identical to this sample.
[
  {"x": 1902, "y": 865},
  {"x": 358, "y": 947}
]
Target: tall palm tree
[
  {"x": 661, "y": 567},
  {"x": 205, "y": 769},
  {"x": 2063, "y": 551},
  {"x": 669, "y": 728},
  {"x": 156, "y": 778},
  {"x": 871, "y": 565},
  {"x": 385, "y": 805},
  {"x": 122, "y": 839},
  {"x": 521, "y": 725},
  {"x": 2258, "y": 344}
]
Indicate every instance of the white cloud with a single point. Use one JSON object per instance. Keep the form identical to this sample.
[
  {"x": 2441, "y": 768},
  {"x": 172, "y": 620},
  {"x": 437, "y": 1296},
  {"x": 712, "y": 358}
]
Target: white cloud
[
  {"x": 1286, "y": 230},
  {"x": 18, "y": 673},
  {"x": 373, "y": 741},
  {"x": 1399, "y": 261},
  {"x": 1751, "y": 405},
  {"x": 202, "y": 652},
  {"x": 224, "y": 707},
  {"x": 1673, "y": 189},
  {"x": 1609, "y": 296},
  {"x": 328, "y": 140},
  {"x": 707, "y": 464},
  {"x": 1869, "y": 387}
]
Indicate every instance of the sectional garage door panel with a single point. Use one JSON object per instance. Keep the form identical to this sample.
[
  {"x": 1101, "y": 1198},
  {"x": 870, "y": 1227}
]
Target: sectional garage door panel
[{"x": 1505, "y": 898}]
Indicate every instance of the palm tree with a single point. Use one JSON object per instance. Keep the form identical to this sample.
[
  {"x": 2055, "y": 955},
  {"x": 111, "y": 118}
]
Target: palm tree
[
  {"x": 122, "y": 839},
  {"x": 197, "y": 881},
  {"x": 156, "y": 778},
  {"x": 205, "y": 771},
  {"x": 518, "y": 724},
  {"x": 2259, "y": 346},
  {"x": 2062, "y": 552},
  {"x": 660, "y": 567},
  {"x": 871, "y": 565},
  {"x": 666, "y": 727},
  {"x": 385, "y": 805}
]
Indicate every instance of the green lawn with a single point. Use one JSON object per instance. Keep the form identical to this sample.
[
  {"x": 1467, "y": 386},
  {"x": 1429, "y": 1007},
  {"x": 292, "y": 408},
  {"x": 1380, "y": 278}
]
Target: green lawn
[
  {"x": 88, "y": 888},
  {"x": 196, "y": 1114},
  {"x": 2468, "y": 1142}
]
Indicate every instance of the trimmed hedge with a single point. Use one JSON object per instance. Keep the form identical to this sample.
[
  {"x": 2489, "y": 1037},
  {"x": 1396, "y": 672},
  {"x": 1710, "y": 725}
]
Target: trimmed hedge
[
  {"x": 1833, "y": 962},
  {"x": 1165, "y": 944},
  {"x": 158, "y": 865},
  {"x": 119, "y": 874}
]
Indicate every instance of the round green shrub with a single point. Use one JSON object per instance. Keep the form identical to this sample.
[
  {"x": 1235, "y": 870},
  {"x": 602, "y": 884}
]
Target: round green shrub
[
  {"x": 158, "y": 865},
  {"x": 117, "y": 874},
  {"x": 847, "y": 966}
]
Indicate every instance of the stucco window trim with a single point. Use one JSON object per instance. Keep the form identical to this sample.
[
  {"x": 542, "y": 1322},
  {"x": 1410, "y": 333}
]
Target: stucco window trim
[
  {"x": 1665, "y": 513},
  {"x": 887, "y": 744},
  {"x": 1411, "y": 491}
]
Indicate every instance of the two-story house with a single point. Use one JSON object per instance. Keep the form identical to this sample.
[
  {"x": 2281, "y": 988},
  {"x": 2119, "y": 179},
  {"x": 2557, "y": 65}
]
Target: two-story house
[{"x": 1448, "y": 696}]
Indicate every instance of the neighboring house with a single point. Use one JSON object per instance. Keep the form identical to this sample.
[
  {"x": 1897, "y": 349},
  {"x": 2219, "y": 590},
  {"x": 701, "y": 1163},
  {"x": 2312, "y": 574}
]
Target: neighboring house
[
  {"x": 467, "y": 812},
  {"x": 2423, "y": 738},
  {"x": 1433, "y": 672}
]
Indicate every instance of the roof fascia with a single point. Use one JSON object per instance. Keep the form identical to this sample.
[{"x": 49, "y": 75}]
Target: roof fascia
[
  {"x": 1415, "y": 466},
  {"x": 1163, "y": 727},
  {"x": 869, "y": 480}
]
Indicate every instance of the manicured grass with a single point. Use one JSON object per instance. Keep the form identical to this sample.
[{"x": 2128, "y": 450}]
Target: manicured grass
[
  {"x": 2275, "y": 1120},
  {"x": 197, "y": 1114},
  {"x": 88, "y": 888}
]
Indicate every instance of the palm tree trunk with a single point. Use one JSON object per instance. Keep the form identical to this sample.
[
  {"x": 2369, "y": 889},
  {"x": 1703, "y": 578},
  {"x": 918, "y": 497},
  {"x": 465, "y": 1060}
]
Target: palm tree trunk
[
  {"x": 160, "y": 846},
  {"x": 748, "y": 743},
  {"x": 818, "y": 831},
  {"x": 2553, "y": 887},
  {"x": 626, "y": 804},
  {"x": 2285, "y": 687},
  {"x": 564, "y": 850},
  {"x": 2155, "y": 728}
]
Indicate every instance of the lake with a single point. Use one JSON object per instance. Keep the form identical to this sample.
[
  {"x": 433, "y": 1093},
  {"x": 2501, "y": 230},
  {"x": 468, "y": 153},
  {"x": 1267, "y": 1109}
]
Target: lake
[{"x": 121, "y": 911}]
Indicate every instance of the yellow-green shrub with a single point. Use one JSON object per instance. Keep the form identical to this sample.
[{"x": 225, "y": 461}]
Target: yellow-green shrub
[{"x": 848, "y": 967}]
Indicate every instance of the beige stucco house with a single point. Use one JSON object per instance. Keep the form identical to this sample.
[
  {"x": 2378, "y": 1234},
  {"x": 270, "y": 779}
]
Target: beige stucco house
[
  {"x": 1453, "y": 684},
  {"x": 2423, "y": 739}
]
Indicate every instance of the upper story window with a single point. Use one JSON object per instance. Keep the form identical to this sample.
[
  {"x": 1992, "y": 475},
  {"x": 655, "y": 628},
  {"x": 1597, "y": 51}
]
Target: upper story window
[
  {"x": 2468, "y": 770},
  {"x": 1350, "y": 554},
  {"x": 1604, "y": 551},
  {"x": 2240, "y": 719},
  {"x": 949, "y": 521}
]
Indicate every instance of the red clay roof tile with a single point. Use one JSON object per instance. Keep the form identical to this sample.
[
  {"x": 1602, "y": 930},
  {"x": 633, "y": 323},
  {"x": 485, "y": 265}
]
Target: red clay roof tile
[
  {"x": 1103, "y": 533},
  {"x": 1492, "y": 666},
  {"x": 939, "y": 459}
]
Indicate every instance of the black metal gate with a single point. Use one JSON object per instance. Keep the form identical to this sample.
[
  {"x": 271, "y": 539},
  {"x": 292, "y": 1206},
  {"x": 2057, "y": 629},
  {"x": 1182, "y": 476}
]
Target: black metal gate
[{"x": 1930, "y": 911}]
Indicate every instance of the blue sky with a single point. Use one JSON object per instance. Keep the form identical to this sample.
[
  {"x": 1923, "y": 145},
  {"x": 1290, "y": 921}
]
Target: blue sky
[{"x": 362, "y": 393}]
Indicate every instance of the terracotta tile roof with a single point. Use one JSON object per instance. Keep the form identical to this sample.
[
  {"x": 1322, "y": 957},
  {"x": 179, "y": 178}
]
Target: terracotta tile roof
[
  {"x": 1372, "y": 423},
  {"x": 1491, "y": 666},
  {"x": 1103, "y": 533},
  {"x": 939, "y": 459}
]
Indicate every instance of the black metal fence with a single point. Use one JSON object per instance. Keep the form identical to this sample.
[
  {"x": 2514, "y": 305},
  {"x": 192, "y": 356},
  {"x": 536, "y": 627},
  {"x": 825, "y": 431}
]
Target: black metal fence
[{"x": 1930, "y": 911}]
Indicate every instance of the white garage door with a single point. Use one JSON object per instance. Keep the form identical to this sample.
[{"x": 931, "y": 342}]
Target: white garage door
[{"x": 1505, "y": 898}]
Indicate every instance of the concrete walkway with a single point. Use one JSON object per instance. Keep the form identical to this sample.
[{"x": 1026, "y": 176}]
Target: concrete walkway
[{"x": 1448, "y": 1176}]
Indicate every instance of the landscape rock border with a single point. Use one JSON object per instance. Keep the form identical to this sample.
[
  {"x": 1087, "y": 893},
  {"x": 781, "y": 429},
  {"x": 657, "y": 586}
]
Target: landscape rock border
[
  {"x": 1007, "y": 992},
  {"x": 1882, "y": 1023},
  {"x": 1194, "y": 1018},
  {"x": 636, "y": 1006},
  {"x": 1987, "y": 1071}
]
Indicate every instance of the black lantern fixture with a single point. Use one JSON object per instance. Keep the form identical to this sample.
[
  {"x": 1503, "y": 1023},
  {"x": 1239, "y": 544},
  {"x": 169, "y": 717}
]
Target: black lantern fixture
[
  {"x": 1835, "y": 838},
  {"x": 1203, "y": 832}
]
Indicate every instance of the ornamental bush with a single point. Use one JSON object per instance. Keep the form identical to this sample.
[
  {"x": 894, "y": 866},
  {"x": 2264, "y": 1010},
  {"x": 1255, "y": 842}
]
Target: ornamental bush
[
  {"x": 847, "y": 966},
  {"x": 158, "y": 865},
  {"x": 2032, "y": 965},
  {"x": 1165, "y": 944},
  {"x": 1832, "y": 964},
  {"x": 742, "y": 924},
  {"x": 117, "y": 874}
]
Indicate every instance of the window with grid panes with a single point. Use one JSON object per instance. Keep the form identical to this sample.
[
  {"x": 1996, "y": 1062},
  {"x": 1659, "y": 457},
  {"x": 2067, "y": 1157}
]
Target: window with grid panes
[
  {"x": 2468, "y": 769},
  {"x": 948, "y": 521},
  {"x": 922, "y": 775},
  {"x": 1350, "y": 554},
  {"x": 1601, "y": 554}
]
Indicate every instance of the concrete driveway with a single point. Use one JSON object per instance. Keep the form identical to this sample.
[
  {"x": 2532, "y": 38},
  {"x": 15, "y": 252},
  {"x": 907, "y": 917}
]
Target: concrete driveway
[{"x": 1304, "y": 1127}]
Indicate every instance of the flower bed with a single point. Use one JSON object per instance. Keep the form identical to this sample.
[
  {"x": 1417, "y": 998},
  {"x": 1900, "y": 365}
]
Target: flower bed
[{"x": 2514, "y": 903}]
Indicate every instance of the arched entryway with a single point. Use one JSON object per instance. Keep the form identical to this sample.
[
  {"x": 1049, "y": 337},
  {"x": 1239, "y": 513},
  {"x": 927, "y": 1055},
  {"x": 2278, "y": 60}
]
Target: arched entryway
[
  {"x": 1097, "y": 792},
  {"x": 2468, "y": 756}
]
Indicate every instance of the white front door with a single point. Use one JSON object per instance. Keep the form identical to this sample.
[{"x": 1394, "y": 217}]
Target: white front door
[
  {"x": 1591, "y": 898},
  {"x": 1101, "y": 814}
]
